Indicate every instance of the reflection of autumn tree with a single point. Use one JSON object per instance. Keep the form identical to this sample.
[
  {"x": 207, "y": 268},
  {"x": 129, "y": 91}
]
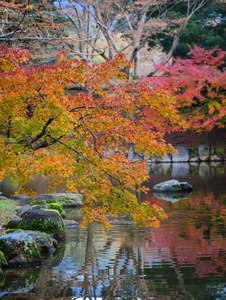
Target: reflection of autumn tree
[
  {"x": 124, "y": 275},
  {"x": 199, "y": 236},
  {"x": 127, "y": 258},
  {"x": 88, "y": 269}
]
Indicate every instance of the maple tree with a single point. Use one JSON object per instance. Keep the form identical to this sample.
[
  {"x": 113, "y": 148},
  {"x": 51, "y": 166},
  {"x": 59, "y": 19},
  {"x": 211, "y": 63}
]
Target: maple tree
[
  {"x": 82, "y": 140},
  {"x": 199, "y": 84}
]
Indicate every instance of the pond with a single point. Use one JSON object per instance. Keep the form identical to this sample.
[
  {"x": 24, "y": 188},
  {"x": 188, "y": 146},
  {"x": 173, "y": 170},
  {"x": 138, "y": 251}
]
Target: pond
[{"x": 184, "y": 258}]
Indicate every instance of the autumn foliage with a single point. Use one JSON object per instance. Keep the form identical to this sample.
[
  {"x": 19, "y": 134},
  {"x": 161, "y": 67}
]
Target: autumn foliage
[
  {"x": 199, "y": 84},
  {"x": 82, "y": 140}
]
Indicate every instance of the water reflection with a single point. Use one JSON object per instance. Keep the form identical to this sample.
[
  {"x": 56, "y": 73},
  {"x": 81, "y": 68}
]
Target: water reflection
[
  {"x": 182, "y": 259},
  {"x": 203, "y": 170}
]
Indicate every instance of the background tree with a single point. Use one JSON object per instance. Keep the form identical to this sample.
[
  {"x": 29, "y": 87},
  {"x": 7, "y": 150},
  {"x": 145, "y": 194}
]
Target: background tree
[
  {"x": 97, "y": 28},
  {"x": 35, "y": 25},
  {"x": 205, "y": 29},
  {"x": 130, "y": 20}
]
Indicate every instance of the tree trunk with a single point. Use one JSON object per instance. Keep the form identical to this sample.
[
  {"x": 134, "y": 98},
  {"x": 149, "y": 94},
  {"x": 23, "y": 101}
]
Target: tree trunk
[
  {"x": 167, "y": 57},
  {"x": 137, "y": 65}
]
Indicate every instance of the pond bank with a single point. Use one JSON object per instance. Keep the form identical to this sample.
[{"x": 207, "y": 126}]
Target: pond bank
[{"x": 9, "y": 207}]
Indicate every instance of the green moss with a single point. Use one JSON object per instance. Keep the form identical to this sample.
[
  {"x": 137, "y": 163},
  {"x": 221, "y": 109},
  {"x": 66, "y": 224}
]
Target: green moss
[
  {"x": 57, "y": 206},
  {"x": 31, "y": 251},
  {"x": 52, "y": 210},
  {"x": 219, "y": 170},
  {"x": 41, "y": 202},
  {"x": 10, "y": 231},
  {"x": 42, "y": 233},
  {"x": 219, "y": 150},
  {"x": 63, "y": 226},
  {"x": 178, "y": 186},
  {"x": 44, "y": 225},
  {"x": 51, "y": 201},
  {"x": 193, "y": 150},
  {"x": 2, "y": 246},
  {"x": 66, "y": 200},
  {"x": 13, "y": 230},
  {"x": 2, "y": 256}
]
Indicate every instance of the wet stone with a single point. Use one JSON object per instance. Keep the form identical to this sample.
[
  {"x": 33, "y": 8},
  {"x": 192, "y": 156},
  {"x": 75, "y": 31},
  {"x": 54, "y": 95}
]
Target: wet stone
[{"x": 182, "y": 156}]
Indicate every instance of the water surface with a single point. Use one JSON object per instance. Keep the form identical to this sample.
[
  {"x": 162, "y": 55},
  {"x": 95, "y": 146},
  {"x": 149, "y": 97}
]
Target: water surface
[{"x": 182, "y": 259}]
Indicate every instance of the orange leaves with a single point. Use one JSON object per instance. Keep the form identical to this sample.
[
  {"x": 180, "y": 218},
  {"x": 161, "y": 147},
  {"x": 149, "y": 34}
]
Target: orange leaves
[{"x": 82, "y": 139}]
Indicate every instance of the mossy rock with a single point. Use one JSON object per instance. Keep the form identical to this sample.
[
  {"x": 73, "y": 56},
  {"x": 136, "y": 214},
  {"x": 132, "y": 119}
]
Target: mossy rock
[
  {"x": 19, "y": 249},
  {"x": 49, "y": 221},
  {"x": 69, "y": 199},
  {"x": 3, "y": 261},
  {"x": 172, "y": 186},
  {"x": 24, "y": 248},
  {"x": 13, "y": 223},
  {"x": 57, "y": 206}
]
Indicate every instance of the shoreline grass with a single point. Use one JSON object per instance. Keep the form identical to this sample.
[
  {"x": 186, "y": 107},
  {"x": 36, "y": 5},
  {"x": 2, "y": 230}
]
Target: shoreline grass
[{"x": 7, "y": 212}]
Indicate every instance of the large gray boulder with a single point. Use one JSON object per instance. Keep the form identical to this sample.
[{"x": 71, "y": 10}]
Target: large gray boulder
[
  {"x": 49, "y": 221},
  {"x": 172, "y": 186},
  {"x": 24, "y": 248},
  {"x": 204, "y": 152},
  {"x": 21, "y": 200},
  {"x": 34, "y": 205}
]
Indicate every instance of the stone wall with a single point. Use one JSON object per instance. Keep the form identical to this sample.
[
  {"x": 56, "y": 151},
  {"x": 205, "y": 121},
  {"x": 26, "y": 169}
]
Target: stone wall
[{"x": 192, "y": 155}]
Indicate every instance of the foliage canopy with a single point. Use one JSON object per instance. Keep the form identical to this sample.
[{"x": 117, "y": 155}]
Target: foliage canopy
[
  {"x": 199, "y": 84},
  {"x": 82, "y": 140}
]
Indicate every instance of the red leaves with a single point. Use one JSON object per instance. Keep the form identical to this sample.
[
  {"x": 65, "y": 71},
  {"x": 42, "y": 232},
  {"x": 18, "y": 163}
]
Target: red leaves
[
  {"x": 199, "y": 86},
  {"x": 10, "y": 59},
  {"x": 212, "y": 57}
]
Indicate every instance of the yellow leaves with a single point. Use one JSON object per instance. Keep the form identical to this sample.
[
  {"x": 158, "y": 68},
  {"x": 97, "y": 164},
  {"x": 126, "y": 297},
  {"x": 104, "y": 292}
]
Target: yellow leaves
[
  {"x": 214, "y": 105},
  {"x": 82, "y": 140},
  {"x": 147, "y": 215},
  {"x": 29, "y": 7},
  {"x": 96, "y": 215}
]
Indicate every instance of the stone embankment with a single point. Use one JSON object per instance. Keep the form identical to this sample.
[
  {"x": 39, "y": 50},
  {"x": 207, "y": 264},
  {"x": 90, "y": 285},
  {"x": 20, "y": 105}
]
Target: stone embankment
[
  {"x": 203, "y": 160},
  {"x": 202, "y": 153},
  {"x": 199, "y": 154}
]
